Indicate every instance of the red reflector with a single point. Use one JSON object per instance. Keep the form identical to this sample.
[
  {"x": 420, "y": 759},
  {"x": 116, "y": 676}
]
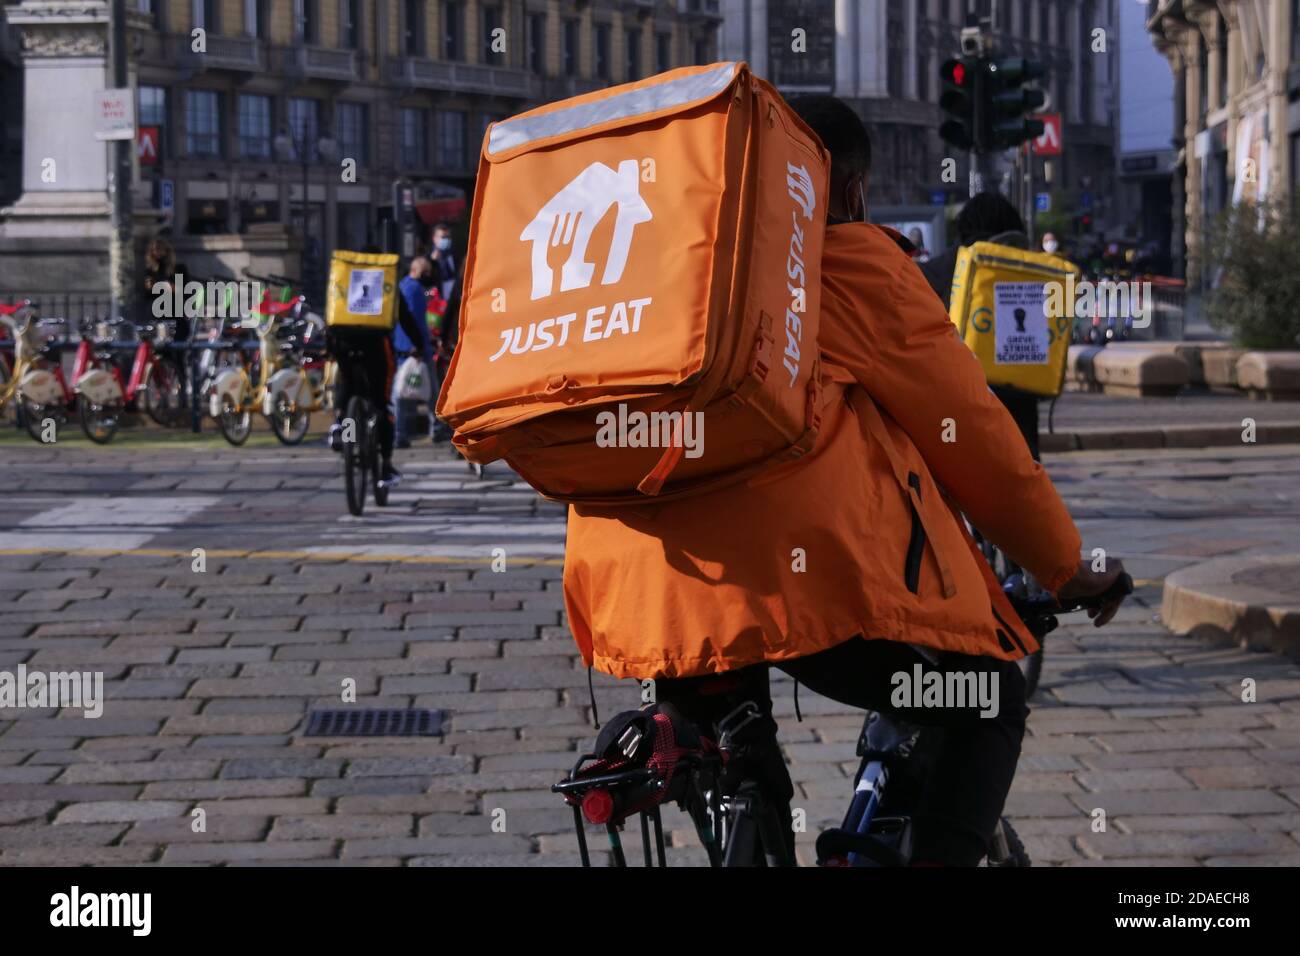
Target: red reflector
[
  {"x": 598, "y": 806},
  {"x": 959, "y": 74}
]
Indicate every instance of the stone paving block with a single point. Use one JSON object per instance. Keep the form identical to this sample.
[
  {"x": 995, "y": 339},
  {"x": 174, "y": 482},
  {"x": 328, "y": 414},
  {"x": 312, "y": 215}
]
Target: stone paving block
[
  {"x": 370, "y": 786},
  {"x": 341, "y": 826},
  {"x": 1233, "y": 802},
  {"x": 1205, "y": 843},
  {"x": 1147, "y": 778},
  {"x": 249, "y": 851},
  {"x": 78, "y": 856},
  {"x": 120, "y": 811},
  {"x": 224, "y": 789},
  {"x": 254, "y": 768},
  {"x": 37, "y": 835},
  {"x": 23, "y": 811},
  {"x": 492, "y": 843}
]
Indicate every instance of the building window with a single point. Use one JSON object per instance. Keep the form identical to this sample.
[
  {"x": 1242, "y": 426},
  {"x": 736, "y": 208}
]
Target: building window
[
  {"x": 633, "y": 57},
  {"x": 350, "y": 26},
  {"x": 453, "y": 30},
  {"x": 451, "y": 139},
  {"x": 413, "y": 138},
  {"x": 304, "y": 128},
  {"x": 203, "y": 123},
  {"x": 601, "y": 50},
  {"x": 351, "y": 125},
  {"x": 205, "y": 14},
  {"x": 1026, "y": 15},
  {"x": 1221, "y": 43},
  {"x": 257, "y": 18},
  {"x": 663, "y": 52},
  {"x": 492, "y": 21},
  {"x": 413, "y": 23},
  {"x": 153, "y": 106},
  {"x": 1295, "y": 30},
  {"x": 537, "y": 42},
  {"x": 570, "y": 50},
  {"x": 152, "y": 111},
  {"x": 703, "y": 51},
  {"x": 154, "y": 9},
  {"x": 254, "y": 126},
  {"x": 1062, "y": 28},
  {"x": 306, "y": 21},
  {"x": 1203, "y": 86}
]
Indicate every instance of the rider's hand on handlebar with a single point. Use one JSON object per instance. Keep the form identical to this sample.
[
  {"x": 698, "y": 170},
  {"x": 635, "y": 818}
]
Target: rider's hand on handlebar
[{"x": 1087, "y": 582}]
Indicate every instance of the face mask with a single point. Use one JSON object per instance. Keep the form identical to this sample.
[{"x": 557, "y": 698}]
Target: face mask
[
  {"x": 1051, "y": 245},
  {"x": 443, "y": 244}
]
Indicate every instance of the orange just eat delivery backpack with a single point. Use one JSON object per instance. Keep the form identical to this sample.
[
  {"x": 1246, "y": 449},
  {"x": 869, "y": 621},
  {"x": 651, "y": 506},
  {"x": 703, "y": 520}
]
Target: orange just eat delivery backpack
[{"x": 641, "y": 293}]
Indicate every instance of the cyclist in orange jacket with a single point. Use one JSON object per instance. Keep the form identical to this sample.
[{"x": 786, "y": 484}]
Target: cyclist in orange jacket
[{"x": 833, "y": 566}]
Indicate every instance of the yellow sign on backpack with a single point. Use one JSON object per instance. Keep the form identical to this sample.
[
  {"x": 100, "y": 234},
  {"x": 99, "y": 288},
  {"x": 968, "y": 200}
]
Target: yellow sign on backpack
[
  {"x": 1011, "y": 309},
  {"x": 362, "y": 290}
]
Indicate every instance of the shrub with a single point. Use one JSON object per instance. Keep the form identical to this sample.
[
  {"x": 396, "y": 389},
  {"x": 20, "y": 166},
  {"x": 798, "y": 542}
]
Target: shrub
[{"x": 1254, "y": 265}]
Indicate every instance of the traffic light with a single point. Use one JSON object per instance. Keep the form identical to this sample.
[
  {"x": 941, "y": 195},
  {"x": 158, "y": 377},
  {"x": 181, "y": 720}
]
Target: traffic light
[
  {"x": 1005, "y": 101},
  {"x": 959, "y": 101}
]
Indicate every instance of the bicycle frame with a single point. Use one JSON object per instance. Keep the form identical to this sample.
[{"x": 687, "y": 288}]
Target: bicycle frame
[{"x": 33, "y": 375}]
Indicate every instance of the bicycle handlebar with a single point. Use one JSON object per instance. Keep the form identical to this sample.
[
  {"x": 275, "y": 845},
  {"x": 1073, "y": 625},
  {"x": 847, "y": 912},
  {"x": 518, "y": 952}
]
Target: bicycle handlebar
[{"x": 1044, "y": 605}]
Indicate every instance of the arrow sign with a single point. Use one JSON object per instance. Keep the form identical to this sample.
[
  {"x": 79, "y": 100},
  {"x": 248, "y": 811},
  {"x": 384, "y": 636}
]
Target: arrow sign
[
  {"x": 1049, "y": 144},
  {"x": 146, "y": 146}
]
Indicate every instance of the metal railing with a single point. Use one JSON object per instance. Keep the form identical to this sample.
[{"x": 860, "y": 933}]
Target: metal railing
[
  {"x": 71, "y": 306},
  {"x": 416, "y": 71}
]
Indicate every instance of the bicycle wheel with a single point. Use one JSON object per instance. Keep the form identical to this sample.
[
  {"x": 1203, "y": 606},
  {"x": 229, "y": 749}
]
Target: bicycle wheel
[
  {"x": 289, "y": 424},
  {"x": 32, "y": 417},
  {"x": 99, "y": 422},
  {"x": 380, "y": 492},
  {"x": 163, "y": 393},
  {"x": 235, "y": 425},
  {"x": 356, "y": 462}
]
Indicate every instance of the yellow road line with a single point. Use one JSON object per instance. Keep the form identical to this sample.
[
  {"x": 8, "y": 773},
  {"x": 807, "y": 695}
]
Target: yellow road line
[{"x": 351, "y": 557}]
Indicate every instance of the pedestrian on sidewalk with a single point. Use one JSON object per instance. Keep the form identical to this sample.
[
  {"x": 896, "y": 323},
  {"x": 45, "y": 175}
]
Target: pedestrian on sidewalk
[{"x": 414, "y": 289}]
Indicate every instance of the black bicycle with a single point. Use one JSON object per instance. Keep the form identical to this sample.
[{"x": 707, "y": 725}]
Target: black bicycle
[
  {"x": 635, "y": 773},
  {"x": 360, "y": 437}
]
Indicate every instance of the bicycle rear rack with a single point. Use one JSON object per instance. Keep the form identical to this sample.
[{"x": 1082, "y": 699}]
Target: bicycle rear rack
[{"x": 601, "y": 798}]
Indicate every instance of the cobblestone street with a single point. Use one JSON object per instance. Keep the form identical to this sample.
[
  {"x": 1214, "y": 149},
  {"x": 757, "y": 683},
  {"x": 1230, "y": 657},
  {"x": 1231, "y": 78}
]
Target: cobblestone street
[{"x": 209, "y": 675}]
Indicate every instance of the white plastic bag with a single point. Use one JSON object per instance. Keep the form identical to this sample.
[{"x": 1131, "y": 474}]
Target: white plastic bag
[{"x": 413, "y": 381}]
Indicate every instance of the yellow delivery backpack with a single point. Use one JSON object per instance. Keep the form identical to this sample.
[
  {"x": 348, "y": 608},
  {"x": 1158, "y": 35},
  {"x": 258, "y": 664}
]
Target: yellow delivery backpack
[
  {"x": 1014, "y": 309},
  {"x": 362, "y": 291}
]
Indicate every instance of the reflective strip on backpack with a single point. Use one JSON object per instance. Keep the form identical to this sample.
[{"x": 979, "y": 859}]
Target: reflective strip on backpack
[{"x": 512, "y": 133}]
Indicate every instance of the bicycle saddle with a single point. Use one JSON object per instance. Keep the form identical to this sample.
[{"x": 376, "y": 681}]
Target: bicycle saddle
[{"x": 885, "y": 736}]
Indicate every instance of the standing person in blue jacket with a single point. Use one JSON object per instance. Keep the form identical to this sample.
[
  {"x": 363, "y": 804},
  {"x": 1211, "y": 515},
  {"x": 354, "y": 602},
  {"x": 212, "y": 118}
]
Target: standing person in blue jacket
[{"x": 414, "y": 288}]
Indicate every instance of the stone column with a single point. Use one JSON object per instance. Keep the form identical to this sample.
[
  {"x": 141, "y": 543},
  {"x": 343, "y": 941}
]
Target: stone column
[{"x": 55, "y": 238}]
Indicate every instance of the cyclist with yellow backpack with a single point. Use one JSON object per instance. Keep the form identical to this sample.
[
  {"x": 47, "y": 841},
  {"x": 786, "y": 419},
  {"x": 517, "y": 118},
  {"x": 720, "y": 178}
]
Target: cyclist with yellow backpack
[{"x": 362, "y": 307}]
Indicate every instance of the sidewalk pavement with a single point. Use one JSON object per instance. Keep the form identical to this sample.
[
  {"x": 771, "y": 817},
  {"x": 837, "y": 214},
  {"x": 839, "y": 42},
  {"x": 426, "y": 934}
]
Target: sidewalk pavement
[{"x": 209, "y": 674}]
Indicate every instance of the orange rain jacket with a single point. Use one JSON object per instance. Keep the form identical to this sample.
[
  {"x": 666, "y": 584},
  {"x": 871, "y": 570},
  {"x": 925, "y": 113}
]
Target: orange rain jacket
[{"x": 813, "y": 552}]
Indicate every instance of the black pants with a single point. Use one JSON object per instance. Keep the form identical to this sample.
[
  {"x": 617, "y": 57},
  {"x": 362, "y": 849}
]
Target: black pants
[
  {"x": 962, "y": 797},
  {"x": 365, "y": 366}
]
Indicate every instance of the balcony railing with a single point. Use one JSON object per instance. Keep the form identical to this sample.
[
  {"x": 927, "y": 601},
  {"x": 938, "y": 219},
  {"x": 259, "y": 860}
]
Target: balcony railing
[
  {"x": 322, "y": 63},
  {"x": 238, "y": 54},
  {"x": 423, "y": 73}
]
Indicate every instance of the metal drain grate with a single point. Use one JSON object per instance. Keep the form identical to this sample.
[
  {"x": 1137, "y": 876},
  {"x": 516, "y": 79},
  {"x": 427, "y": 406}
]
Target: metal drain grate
[{"x": 374, "y": 723}]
